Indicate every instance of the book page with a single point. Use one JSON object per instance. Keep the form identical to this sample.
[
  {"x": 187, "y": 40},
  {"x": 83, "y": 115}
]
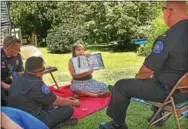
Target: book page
[
  {"x": 83, "y": 64},
  {"x": 96, "y": 61},
  {"x": 80, "y": 64}
]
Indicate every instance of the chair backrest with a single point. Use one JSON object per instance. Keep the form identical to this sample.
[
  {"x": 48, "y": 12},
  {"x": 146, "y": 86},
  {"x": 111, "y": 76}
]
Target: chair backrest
[
  {"x": 29, "y": 51},
  {"x": 181, "y": 84}
]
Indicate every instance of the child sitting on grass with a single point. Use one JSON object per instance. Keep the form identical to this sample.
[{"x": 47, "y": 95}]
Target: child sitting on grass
[{"x": 83, "y": 84}]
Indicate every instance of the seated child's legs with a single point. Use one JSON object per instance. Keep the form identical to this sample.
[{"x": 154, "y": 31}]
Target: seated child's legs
[{"x": 90, "y": 88}]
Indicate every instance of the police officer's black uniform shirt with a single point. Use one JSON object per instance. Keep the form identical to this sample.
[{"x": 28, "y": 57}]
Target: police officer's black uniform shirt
[
  {"x": 10, "y": 64},
  {"x": 169, "y": 56},
  {"x": 29, "y": 93}
]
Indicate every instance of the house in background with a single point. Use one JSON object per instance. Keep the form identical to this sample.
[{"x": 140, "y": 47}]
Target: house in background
[
  {"x": 5, "y": 21},
  {"x": 6, "y": 26}
]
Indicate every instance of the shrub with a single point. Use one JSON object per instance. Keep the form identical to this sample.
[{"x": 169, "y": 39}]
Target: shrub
[
  {"x": 158, "y": 28},
  {"x": 60, "y": 39}
]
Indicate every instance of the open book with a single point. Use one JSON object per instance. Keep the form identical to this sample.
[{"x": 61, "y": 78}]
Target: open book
[{"x": 82, "y": 64}]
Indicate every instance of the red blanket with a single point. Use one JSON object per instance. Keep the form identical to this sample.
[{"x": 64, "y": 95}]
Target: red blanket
[{"x": 88, "y": 105}]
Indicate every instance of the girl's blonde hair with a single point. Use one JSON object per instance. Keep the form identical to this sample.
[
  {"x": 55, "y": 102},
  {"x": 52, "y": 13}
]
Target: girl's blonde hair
[{"x": 75, "y": 45}]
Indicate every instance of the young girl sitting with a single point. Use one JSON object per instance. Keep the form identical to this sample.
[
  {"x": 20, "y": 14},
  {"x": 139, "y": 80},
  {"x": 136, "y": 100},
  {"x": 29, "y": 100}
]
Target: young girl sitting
[{"x": 83, "y": 84}]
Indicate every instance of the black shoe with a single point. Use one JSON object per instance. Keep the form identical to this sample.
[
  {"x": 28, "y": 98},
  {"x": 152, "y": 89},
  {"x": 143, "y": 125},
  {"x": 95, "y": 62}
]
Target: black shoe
[
  {"x": 111, "y": 125},
  {"x": 110, "y": 88},
  {"x": 160, "y": 123}
]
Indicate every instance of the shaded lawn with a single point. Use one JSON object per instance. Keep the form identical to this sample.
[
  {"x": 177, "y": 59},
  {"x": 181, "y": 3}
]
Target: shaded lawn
[{"x": 117, "y": 66}]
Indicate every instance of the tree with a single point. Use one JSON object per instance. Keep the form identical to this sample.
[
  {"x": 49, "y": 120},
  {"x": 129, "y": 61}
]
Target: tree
[
  {"x": 32, "y": 17},
  {"x": 102, "y": 22},
  {"x": 119, "y": 21},
  {"x": 67, "y": 26}
]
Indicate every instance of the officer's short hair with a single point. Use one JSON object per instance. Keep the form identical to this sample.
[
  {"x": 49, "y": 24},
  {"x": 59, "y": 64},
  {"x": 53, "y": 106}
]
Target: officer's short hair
[
  {"x": 10, "y": 40},
  {"x": 33, "y": 64}
]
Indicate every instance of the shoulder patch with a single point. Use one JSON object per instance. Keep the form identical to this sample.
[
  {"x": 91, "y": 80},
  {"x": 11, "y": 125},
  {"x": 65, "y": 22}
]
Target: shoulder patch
[
  {"x": 158, "y": 47},
  {"x": 45, "y": 89},
  {"x": 17, "y": 62}
]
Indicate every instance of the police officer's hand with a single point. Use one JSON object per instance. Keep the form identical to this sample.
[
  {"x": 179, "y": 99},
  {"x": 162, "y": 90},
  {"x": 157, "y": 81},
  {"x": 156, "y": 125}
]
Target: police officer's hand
[
  {"x": 76, "y": 103},
  {"x": 71, "y": 98},
  {"x": 5, "y": 85}
]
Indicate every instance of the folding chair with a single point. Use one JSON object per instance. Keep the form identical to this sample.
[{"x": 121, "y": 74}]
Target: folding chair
[
  {"x": 169, "y": 105},
  {"x": 28, "y": 51}
]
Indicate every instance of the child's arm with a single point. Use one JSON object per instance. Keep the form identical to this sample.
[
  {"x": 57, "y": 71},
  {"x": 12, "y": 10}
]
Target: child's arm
[{"x": 71, "y": 69}]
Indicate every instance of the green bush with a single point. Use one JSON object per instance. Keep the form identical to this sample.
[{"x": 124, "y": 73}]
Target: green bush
[
  {"x": 60, "y": 39},
  {"x": 158, "y": 27}
]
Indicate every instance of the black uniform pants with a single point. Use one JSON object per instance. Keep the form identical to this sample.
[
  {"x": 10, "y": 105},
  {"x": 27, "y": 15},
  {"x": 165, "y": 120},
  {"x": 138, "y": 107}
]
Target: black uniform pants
[
  {"x": 56, "y": 115},
  {"x": 4, "y": 97},
  {"x": 4, "y": 93},
  {"x": 147, "y": 89}
]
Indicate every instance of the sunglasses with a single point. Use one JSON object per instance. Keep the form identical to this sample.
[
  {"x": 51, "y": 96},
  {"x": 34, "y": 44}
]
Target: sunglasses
[
  {"x": 164, "y": 8},
  {"x": 40, "y": 71}
]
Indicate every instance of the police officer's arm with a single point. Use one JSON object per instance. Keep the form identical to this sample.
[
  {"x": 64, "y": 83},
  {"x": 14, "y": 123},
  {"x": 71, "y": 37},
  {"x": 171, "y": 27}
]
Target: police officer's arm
[
  {"x": 20, "y": 69},
  {"x": 71, "y": 69},
  {"x": 155, "y": 60},
  {"x": 144, "y": 73},
  {"x": 20, "y": 73},
  {"x": 66, "y": 101},
  {"x": 41, "y": 93}
]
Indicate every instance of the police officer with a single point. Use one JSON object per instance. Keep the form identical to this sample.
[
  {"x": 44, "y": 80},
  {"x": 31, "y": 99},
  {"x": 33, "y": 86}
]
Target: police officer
[
  {"x": 29, "y": 93},
  {"x": 167, "y": 63},
  {"x": 10, "y": 61}
]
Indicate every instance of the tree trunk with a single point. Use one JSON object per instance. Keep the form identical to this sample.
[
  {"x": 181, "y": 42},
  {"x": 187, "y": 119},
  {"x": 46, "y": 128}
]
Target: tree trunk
[{"x": 33, "y": 42}]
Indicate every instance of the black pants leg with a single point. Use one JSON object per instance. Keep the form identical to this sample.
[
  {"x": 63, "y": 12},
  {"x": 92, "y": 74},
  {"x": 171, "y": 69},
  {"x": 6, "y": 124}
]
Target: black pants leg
[
  {"x": 124, "y": 89},
  {"x": 56, "y": 116},
  {"x": 4, "y": 97}
]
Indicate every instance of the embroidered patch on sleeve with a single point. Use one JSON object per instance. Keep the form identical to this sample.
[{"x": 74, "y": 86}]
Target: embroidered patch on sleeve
[
  {"x": 17, "y": 62},
  {"x": 158, "y": 47},
  {"x": 45, "y": 89}
]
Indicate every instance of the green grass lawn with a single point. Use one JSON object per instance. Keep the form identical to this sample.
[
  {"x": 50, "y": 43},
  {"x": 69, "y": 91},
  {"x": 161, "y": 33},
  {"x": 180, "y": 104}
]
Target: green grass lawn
[{"x": 117, "y": 66}]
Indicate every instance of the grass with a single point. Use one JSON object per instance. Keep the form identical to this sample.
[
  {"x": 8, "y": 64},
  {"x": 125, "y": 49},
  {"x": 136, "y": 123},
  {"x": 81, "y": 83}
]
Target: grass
[{"x": 117, "y": 66}]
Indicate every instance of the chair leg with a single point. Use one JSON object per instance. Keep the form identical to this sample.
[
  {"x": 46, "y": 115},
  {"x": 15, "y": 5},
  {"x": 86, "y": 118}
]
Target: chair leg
[
  {"x": 175, "y": 113},
  {"x": 165, "y": 116},
  {"x": 154, "y": 117},
  {"x": 55, "y": 81}
]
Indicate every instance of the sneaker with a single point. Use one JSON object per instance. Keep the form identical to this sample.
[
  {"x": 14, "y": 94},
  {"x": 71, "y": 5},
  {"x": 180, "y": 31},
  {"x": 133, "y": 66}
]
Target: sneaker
[{"x": 111, "y": 125}]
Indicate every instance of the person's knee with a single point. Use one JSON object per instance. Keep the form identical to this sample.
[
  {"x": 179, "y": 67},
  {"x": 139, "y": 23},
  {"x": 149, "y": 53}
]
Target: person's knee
[
  {"x": 68, "y": 110},
  {"x": 120, "y": 84}
]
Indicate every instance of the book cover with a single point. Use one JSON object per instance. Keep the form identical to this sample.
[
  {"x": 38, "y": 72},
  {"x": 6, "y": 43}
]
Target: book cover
[{"x": 82, "y": 64}]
